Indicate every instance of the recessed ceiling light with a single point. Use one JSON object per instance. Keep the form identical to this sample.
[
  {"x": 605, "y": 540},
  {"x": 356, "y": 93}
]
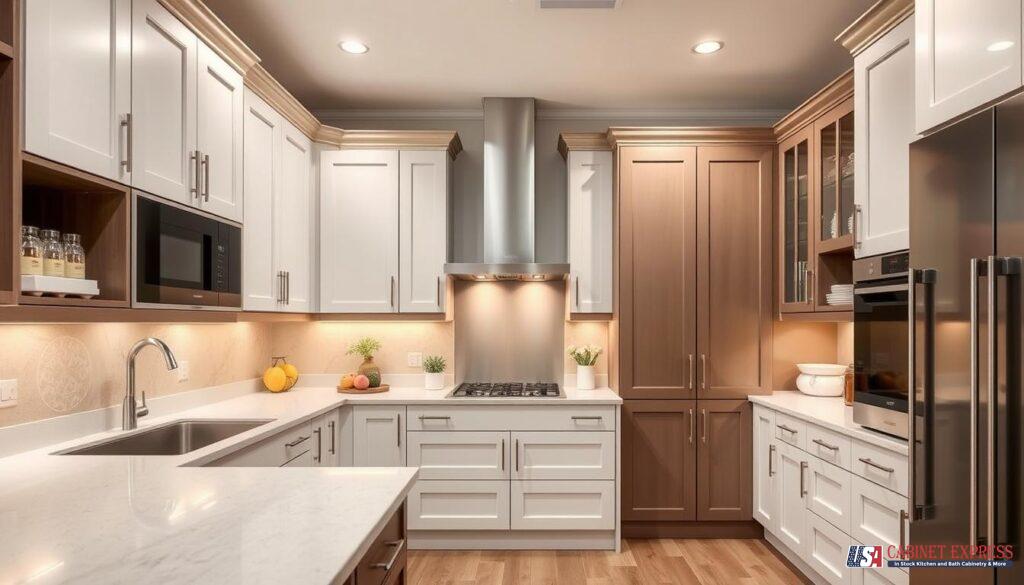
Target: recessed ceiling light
[
  {"x": 708, "y": 47},
  {"x": 354, "y": 47},
  {"x": 999, "y": 46}
]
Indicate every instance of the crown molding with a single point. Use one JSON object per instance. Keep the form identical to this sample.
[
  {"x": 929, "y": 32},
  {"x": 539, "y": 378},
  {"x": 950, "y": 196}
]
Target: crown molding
[
  {"x": 198, "y": 17},
  {"x": 874, "y": 23},
  {"x": 837, "y": 91},
  {"x": 420, "y": 114},
  {"x": 447, "y": 140},
  {"x": 574, "y": 141},
  {"x": 751, "y": 117},
  {"x": 637, "y": 135},
  {"x": 279, "y": 98}
]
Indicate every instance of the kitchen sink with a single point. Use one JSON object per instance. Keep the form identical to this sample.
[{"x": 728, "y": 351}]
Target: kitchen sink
[{"x": 174, "y": 438}]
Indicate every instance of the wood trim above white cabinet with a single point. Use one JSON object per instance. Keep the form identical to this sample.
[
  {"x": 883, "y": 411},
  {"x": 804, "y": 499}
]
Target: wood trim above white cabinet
[
  {"x": 878, "y": 20},
  {"x": 213, "y": 32},
  {"x": 836, "y": 92},
  {"x": 275, "y": 94},
  {"x": 575, "y": 141},
  {"x": 447, "y": 140}
]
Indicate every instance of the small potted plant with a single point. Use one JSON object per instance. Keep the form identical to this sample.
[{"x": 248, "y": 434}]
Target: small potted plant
[
  {"x": 585, "y": 358},
  {"x": 366, "y": 347},
  {"x": 433, "y": 366}
]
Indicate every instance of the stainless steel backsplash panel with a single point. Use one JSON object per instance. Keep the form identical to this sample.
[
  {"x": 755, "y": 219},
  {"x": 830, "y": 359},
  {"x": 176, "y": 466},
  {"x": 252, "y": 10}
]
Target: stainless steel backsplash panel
[{"x": 509, "y": 331}]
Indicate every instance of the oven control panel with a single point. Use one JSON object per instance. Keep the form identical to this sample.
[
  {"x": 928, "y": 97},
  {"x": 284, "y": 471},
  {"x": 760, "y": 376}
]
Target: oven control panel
[{"x": 876, "y": 267}]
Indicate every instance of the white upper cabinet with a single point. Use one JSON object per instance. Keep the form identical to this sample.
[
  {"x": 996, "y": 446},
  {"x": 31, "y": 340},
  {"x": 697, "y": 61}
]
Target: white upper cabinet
[
  {"x": 219, "y": 117},
  {"x": 163, "y": 103},
  {"x": 261, "y": 285},
  {"x": 292, "y": 219},
  {"x": 883, "y": 130},
  {"x": 77, "y": 99},
  {"x": 967, "y": 54},
  {"x": 423, "y": 236},
  {"x": 359, "y": 231},
  {"x": 590, "y": 175}
]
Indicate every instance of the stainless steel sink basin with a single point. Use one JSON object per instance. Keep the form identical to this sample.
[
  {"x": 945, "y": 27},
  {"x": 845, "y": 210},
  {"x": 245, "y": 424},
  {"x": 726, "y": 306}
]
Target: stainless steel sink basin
[{"x": 174, "y": 438}]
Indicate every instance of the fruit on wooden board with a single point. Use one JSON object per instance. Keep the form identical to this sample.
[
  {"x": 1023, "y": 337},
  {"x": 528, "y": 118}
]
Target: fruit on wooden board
[
  {"x": 361, "y": 382},
  {"x": 348, "y": 381},
  {"x": 274, "y": 379},
  {"x": 374, "y": 378}
]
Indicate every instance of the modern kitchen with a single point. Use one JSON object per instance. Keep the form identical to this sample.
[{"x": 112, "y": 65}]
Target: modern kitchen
[{"x": 589, "y": 292}]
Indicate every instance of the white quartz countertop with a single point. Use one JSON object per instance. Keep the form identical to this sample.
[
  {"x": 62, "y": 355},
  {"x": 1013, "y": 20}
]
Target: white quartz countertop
[
  {"x": 167, "y": 519},
  {"x": 829, "y": 412}
]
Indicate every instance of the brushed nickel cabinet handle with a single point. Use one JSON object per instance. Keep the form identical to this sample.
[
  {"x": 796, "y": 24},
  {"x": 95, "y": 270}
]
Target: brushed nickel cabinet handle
[
  {"x": 334, "y": 439},
  {"x": 808, "y": 285},
  {"x": 193, "y": 180},
  {"x": 392, "y": 292},
  {"x": 126, "y": 123},
  {"x": 206, "y": 178},
  {"x": 704, "y": 432},
  {"x": 425, "y": 417},
  {"x": 903, "y": 531},
  {"x": 296, "y": 441},
  {"x": 517, "y": 455},
  {"x": 587, "y": 418},
  {"x": 703, "y": 372},
  {"x": 803, "y": 466},
  {"x": 692, "y": 372},
  {"x": 577, "y": 291},
  {"x": 858, "y": 212},
  {"x": 398, "y": 430},
  {"x": 771, "y": 457},
  {"x": 869, "y": 462},
  {"x": 399, "y": 545},
  {"x": 319, "y": 443},
  {"x": 438, "y": 291},
  {"x": 503, "y": 454},
  {"x": 821, "y": 443},
  {"x": 691, "y": 426},
  {"x": 287, "y": 287},
  {"x": 787, "y": 429}
]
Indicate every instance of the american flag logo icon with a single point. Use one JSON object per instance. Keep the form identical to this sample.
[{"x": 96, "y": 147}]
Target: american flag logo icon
[{"x": 862, "y": 557}]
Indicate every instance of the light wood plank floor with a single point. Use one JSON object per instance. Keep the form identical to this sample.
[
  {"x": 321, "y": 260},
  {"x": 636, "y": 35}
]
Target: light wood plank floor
[{"x": 646, "y": 562}]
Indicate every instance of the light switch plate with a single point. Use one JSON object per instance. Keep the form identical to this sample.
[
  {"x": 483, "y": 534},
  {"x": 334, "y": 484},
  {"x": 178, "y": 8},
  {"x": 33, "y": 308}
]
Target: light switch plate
[
  {"x": 183, "y": 371},
  {"x": 8, "y": 393},
  {"x": 414, "y": 359}
]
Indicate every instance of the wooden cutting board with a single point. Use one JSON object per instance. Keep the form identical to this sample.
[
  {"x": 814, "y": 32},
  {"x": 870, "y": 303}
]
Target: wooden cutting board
[{"x": 377, "y": 390}]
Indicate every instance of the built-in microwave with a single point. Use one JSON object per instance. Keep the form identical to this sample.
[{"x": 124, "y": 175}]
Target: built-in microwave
[
  {"x": 184, "y": 258},
  {"x": 881, "y": 342}
]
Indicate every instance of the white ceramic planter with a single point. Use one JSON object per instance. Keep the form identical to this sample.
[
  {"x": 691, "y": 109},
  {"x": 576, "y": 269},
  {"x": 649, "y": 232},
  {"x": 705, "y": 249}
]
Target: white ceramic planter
[
  {"x": 585, "y": 377},
  {"x": 433, "y": 381}
]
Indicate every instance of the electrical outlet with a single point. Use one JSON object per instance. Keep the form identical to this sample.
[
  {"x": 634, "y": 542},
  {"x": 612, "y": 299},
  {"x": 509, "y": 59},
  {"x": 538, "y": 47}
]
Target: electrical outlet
[
  {"x": 414, "y": 359},
  {"x": 183, "y": 371},
  {"x": 8, "y": 393}
]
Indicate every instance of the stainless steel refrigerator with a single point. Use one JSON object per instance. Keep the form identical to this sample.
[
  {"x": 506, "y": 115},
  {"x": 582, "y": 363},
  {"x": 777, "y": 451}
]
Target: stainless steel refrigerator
[{"x": 966, "y": 245}]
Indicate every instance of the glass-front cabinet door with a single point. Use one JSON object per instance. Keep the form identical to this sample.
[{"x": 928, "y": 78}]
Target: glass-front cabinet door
[
  {"x": 796, "y": 272},
  {"x": 834, "y": 186}
]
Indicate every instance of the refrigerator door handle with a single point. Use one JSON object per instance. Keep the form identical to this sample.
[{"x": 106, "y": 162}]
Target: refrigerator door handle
[
  {"x": 976, "y": 268},
  {"x": 912, "y": 393}
]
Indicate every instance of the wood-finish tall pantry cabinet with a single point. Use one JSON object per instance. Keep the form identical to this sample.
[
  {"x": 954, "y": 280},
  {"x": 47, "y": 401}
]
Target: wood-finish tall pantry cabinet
[{"x": 694, "y": 308}]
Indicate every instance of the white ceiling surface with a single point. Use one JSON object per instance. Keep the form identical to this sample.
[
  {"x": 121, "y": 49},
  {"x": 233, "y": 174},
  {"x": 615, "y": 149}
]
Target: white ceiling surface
[{"x": 448, "y": 54}]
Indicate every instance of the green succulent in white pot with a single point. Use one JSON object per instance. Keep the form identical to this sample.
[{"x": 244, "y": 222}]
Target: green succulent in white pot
[
  {"x": 433, "y": 368},
  {"x": 585, "y": 357}
]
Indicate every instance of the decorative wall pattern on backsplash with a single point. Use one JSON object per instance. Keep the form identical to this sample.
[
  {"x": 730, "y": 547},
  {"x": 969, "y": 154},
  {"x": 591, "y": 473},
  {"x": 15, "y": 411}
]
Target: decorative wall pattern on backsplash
[{"x": 64, "y": 375}]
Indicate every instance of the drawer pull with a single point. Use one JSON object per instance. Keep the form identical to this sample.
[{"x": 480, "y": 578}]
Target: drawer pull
[
  {"x": 787, "y": 429},
  {"x": 803, "y": 466},
  {"x": 297, "y": 441},
  {"x": 423, "y": 417},
  {"x": 503, "y": 454},
  {"x": 588, "y": 418},
  {"x": 903, "y": 531},
  {"x": 821, "y": 443},
  {"x": 868, "y": 461},
  {"x": 399, "y": 545},
  {"x": 771, "y": 457}
]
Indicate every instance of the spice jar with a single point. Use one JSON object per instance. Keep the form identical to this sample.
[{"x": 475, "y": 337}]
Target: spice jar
[
  {"x": 53, "y": 253},
  {"x": 848, "y": 391},
  {"x": 74, "y": 256},
  {"x": 31, "y": 251}
]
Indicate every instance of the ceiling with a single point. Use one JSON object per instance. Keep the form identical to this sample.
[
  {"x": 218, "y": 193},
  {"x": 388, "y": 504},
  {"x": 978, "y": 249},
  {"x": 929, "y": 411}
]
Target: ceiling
[{"x": 448, "y": 54}]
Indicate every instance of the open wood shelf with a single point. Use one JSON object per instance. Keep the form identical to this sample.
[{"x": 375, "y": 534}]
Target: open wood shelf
[
  {"x": 6, "y": 50},
  {"x": 838, "y": 316},
  {"x": 25, "y": 299},
  {"x": 835, "y": 245}
]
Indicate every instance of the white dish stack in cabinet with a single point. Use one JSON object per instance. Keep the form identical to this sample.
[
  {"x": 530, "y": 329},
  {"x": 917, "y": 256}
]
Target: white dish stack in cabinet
[
  {"x": 818, "y": 491},
  {"x": 590, "y": 170},
  {"x": 384, "y": 225},
  {"x": 151, "y": 105},
  {"x": 278, "y": 239}
]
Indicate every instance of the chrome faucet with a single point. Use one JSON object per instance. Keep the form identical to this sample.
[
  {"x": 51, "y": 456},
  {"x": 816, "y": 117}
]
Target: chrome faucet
[{"x": 130, "y": 411}]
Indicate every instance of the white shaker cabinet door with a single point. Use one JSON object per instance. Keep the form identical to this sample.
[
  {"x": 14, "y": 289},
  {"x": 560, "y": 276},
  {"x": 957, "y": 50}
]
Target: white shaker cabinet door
[
  {"x": 423, "y": 238},
  {"x": 884, "y": 128},
  {"x": 966, "y": 55},
  {"x": 765, "y": 458},
  {"x": 378, "y": 436},
  {"x": 591, "y": 222},
  {"x": 261, "y": 287},
  {"x": 78, "y": 100},
  {"x": 219, "y": 114},
  {"x": 163, "y": 103},
  {"x": 292, "y": 219},
  {"x": 792, "y": 524},
  {"x": 359, "y": 231}
]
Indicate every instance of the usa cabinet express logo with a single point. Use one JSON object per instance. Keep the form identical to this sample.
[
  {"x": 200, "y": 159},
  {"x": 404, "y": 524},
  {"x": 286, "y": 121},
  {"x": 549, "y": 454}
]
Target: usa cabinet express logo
[{"x": 932, "y": 555}]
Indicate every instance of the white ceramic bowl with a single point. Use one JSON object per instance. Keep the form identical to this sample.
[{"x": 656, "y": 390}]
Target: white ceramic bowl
[
  {"x": 821, "y": 379},
  {"x": 822, "y": 369}
]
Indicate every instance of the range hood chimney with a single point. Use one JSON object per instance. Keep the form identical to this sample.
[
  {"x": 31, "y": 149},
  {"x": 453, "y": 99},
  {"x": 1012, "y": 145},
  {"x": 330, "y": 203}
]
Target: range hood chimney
[{"x": 509, "y": 197}]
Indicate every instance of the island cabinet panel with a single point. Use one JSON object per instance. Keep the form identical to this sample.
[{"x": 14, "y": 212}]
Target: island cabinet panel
[{"x": 659, "y": 453}]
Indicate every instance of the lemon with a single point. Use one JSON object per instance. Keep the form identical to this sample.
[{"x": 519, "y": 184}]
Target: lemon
[
  {"x": 275, "y": 379},
  {"x": 291, "y": 373}
]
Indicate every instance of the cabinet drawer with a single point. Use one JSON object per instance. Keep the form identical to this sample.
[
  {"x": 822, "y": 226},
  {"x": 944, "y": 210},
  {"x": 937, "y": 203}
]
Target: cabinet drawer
[
  {"x": 790, "y": 430},
  {"x": 563, "y": 455},
  {"x": 877, "y": 514},
  {"x": 459, "y": 505},
  {"x": 386, "y": 555},
  {"x": 829, "y": 446},
  {"x": 879, "y": 575},
  {"x": 459, "y": 455},
  {"x": 827, "y": 549},
  {"x": 563, "y": 505},
  {"x": 829, "y": 493},
  {"x": 273, "y": 452},
  {"x": 511, "y": 418},
  {"x": 886, "y": 468}
]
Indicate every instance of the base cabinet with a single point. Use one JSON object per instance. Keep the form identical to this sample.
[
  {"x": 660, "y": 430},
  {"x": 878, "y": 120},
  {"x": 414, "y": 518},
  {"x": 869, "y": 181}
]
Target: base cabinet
[
  {"x": 659, "y": 464},
  {"x": 563, "y": 505},
  {"x": 378, "y": 436},
  {"x": 459, "y": 505},
  {"x": 827, "y": 549}
]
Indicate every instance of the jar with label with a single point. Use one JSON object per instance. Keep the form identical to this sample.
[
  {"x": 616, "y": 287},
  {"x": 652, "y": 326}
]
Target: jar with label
[
  {"x": 74, "y": 256},
  {"x": 31, "y": 251},
  {"x": 53, "y": 253}
]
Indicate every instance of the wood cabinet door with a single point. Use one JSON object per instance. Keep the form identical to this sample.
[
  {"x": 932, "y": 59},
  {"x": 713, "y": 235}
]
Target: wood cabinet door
[
  {"x": 657, "y": 271},
  {"x": 883, "y": 77},
  {"x": 423, "y": 235},
  {"x": 966, "y": 54},
  {"x": 378, "y": 436},
  {"x": 724, "y": 460},
  {"x": 292, "y": 219},
  {"x": 261, "y": 286},
  {"x": 659, "y": 470},
  {"x": 76, "y": 100},
  {"x": 359, "y": 231},
  {"x": 163, "y": 104},
  {"x": 591, "y": 222},
  {"x": 734, "y": 267},
  {"x": 219, "y": 108}
]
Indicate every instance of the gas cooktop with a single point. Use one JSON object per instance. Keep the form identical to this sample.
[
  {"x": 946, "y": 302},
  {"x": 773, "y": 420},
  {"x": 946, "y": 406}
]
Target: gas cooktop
[{"x": 506, "y": 390}]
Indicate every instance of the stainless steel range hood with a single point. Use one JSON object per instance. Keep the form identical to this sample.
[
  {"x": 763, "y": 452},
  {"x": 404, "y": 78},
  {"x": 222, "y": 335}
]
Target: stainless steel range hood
[{"x": 508, "y": 205}]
